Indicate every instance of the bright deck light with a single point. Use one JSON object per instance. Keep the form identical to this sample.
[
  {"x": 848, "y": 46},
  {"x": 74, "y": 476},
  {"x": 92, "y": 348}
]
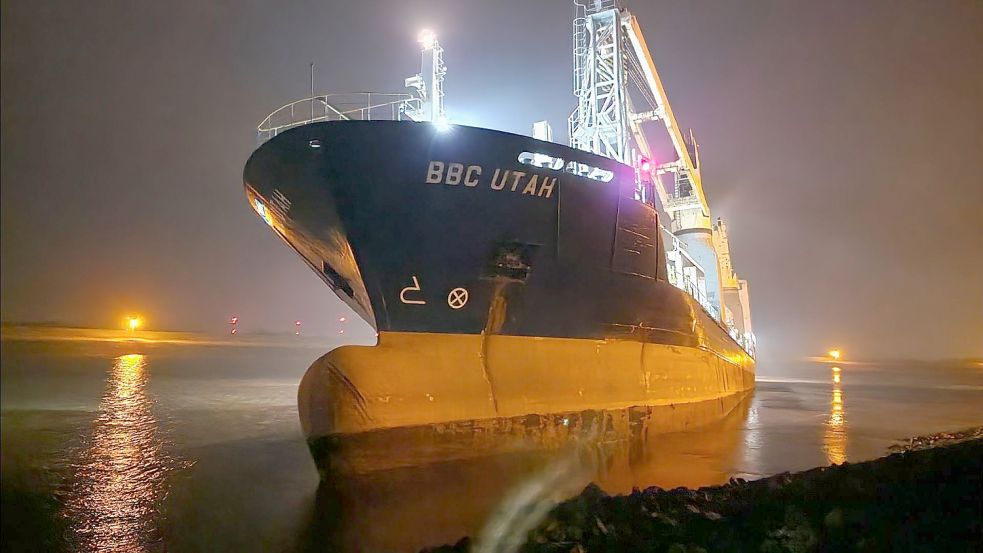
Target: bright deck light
[
  {"x": 442, "y": 124},
  {"x": 262, "y": 211},
  {"x": 426, "y": 38}
]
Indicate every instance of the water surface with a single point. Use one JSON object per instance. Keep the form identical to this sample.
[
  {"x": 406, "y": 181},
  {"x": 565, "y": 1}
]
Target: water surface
[{"x": 189, "y": 445}]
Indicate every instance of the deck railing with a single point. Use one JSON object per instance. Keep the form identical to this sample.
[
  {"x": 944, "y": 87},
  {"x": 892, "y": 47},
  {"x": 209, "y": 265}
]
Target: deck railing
[
  {"x": 676, "y": 257},
  {"x": 338, "y": 107}
]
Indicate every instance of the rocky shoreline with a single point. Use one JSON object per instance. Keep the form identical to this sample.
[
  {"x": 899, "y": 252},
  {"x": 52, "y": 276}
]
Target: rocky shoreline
[{"x": 925, "y": 496}]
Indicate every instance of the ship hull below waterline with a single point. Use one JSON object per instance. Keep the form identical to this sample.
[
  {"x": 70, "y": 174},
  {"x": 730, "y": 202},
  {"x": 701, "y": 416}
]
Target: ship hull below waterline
[{"x": 412, "y": 379}]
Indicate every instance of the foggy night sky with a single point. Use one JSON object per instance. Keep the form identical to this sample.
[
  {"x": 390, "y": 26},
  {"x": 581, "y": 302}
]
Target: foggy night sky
[{"x": 841, "y": 142}]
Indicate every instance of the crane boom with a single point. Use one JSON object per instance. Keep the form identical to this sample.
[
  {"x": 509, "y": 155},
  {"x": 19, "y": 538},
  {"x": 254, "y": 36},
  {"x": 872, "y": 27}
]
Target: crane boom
[
  {"x": 663, "y": 110},
  {"x": 610, "y": 52}
]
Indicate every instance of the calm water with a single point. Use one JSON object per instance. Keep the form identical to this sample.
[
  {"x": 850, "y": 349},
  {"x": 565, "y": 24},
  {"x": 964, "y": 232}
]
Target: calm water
[{"x": 124, "y": 446}]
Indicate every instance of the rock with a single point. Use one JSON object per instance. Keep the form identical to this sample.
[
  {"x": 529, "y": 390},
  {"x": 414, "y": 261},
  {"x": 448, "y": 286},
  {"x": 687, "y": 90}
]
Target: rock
[
  {"x": 668, "y": 520},
  {"x": 834, "y": 519}
]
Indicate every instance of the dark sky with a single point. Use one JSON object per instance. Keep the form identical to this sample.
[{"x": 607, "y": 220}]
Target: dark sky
[{"x": 840, "y": 140}]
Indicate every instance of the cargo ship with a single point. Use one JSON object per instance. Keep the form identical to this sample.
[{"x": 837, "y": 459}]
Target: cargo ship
[{"x": 506, "y": 275}]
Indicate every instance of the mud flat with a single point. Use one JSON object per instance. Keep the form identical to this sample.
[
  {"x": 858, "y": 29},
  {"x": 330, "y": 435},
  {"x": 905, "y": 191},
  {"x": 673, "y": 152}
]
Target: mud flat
[{"x": 926, "y": 496}]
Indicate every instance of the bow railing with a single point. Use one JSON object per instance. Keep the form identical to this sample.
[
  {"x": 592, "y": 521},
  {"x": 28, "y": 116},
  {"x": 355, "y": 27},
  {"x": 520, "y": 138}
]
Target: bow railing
[{"x": 361, "y": 106}]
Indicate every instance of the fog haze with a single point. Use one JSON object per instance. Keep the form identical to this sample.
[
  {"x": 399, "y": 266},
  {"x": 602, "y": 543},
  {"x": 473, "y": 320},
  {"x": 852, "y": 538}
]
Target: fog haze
[{"x": 841, "y": 142}]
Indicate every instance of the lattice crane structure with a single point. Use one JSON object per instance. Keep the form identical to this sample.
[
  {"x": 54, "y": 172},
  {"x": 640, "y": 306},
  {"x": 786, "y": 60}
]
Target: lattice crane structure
[{"x": 619, "y": 94}]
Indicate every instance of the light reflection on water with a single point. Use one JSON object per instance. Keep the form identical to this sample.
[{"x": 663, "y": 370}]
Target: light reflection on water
[
  {"x": 405, "y": 488},
  {"x": 835, "y": 428},
  {"x": 119, "y": 478},
  {"x": 254, "y": 487}
]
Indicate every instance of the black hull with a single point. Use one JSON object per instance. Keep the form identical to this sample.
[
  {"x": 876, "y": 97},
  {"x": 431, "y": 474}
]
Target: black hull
[{"x": 579, "y": 258}]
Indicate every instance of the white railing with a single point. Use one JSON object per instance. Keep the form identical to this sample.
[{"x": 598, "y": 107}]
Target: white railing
[
  {"x": 339, "y": 107},
  {"x": 677, "y": 258}
]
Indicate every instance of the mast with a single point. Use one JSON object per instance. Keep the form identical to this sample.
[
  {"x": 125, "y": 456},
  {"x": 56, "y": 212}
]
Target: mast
[{"x": 429, "y": 82}]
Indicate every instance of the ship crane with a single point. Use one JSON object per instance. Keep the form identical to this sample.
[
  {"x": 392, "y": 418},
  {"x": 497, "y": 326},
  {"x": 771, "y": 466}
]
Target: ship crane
[
  {"x": 614, "y": 72},
  {"x": 608, "y": 43}
]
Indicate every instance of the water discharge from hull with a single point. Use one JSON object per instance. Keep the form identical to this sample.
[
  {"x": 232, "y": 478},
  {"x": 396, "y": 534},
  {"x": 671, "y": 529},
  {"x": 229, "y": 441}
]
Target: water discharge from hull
[
  {"x": 493, "y": 478},
  {"x": 528, "y": 503}
]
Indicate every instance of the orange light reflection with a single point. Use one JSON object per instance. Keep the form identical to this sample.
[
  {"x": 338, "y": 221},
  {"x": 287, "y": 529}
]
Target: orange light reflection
[
  {"x": 835, "y": 432},
  {"x": 119, "y": 481}
]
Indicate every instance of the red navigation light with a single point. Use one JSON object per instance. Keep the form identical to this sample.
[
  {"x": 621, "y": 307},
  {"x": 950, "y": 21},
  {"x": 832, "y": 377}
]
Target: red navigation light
[
  {"x": 233, "y": 320},
  {"x": 645, "y": 165},
  {"x": 341, "y": 319}
]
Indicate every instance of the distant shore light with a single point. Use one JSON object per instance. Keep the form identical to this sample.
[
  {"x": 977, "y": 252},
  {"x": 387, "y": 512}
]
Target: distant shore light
[
  {"x": 835, "y": 354},
  {"x": 133, "y": 323}
]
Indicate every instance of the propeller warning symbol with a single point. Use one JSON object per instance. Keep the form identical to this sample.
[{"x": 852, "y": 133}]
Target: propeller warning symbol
[{"x": 457, "y": 298}]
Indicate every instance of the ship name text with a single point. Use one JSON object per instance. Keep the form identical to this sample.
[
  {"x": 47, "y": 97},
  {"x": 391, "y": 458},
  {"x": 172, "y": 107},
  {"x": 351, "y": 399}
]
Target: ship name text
[{"x": 471, "y": 176}]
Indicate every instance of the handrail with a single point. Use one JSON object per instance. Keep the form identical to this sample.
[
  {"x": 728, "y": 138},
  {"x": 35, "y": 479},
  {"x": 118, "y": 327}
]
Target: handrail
[
  {"x": 691, "y": 287},
  {"x": 339, "y": 107}
]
